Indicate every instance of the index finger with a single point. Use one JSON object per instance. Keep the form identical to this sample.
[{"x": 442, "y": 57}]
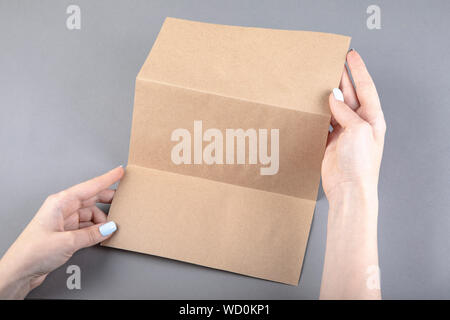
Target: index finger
[
  {"x": 90, "y": 188},
  {"x": 365, "y": 88}
]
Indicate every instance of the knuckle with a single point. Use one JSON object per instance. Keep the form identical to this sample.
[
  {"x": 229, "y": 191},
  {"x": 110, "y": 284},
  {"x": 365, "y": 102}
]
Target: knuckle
[
  {"x": 63, "y": 194},
  {"x": 52, "y": 199},
  {"x": 363, "y": 127},
  {"x": 379, "y": 123},
  {"x": 360, "y": 128},
  {"x": 59, "y": 200},
  {"x": 92, "y": 236}
]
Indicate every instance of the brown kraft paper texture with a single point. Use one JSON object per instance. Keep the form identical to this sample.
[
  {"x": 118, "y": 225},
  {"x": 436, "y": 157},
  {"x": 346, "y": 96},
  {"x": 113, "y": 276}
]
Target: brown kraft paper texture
[{"x": 228, "y": 134}]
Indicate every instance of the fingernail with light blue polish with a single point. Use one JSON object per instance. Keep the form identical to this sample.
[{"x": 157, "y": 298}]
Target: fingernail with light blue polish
[
  {"x": 107, "y": 228},
  {"x": 338, "y": 94}
]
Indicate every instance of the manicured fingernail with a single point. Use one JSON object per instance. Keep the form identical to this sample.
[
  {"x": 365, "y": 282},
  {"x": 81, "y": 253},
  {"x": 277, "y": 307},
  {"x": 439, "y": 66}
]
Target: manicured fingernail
[
  {"x": 107, "y": 228},
  {"x": 338, "y": 94}
]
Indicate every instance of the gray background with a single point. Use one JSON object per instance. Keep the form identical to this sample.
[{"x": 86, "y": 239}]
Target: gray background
[{"x": 66, "y": 101}]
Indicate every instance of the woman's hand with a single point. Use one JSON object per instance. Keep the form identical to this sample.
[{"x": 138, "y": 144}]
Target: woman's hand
[
  {"x": 355, "y": 146},
  {"x": 66, "y": 222},
  {"x": 350, "y": 172}
]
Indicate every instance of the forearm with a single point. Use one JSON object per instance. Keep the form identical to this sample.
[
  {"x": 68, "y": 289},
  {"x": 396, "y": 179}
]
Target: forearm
[
  {"x": 12, "y": 284},
  {"x": 351, "y": 257}
]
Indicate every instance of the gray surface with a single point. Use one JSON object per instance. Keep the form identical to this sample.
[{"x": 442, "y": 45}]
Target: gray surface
[{"x": 66, "y": 99}]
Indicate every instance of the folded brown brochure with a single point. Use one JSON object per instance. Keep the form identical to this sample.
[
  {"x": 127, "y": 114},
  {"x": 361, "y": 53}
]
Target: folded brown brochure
[{"x": 228, "y": 134}]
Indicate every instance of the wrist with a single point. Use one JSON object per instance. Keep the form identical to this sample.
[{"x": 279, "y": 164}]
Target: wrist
[
  {"x": 354, "y": 206},
  {"x": 361, "y": 192},
  {"x": 352, "y": 235}
]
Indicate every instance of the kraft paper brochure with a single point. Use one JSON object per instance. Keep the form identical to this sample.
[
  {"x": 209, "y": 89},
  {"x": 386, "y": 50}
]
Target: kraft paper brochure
[{"x": 228, "y": 135}]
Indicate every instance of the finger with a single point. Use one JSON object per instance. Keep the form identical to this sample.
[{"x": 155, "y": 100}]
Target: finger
[
  {"x": 334, "y": 125},
  {"x": 90, "y": 188},
  {"x": 332, "y": 136},
  {"x": 343, "y": 114},
  {"x": 329, "y": 139},
  {"x": 333, "y": 121},
  {"x": 85, "y": 224},
  {"x": 348, "y": 90},
  {"x": 93, "y": 214},
  {"x": 85, "y": 214},
  {"x": 92, "y": 235},
  {"x": 365, "y": 88},
  {"x": 72, "y": 222},
  {"x": 104, "y": 196},
  {"x": 98, "y": 216}
]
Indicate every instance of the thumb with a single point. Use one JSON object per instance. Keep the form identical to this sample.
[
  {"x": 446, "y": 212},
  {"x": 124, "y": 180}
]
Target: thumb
[
  {"x": 341, "y": 112},
  {"x": 87, "y": 237}
]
